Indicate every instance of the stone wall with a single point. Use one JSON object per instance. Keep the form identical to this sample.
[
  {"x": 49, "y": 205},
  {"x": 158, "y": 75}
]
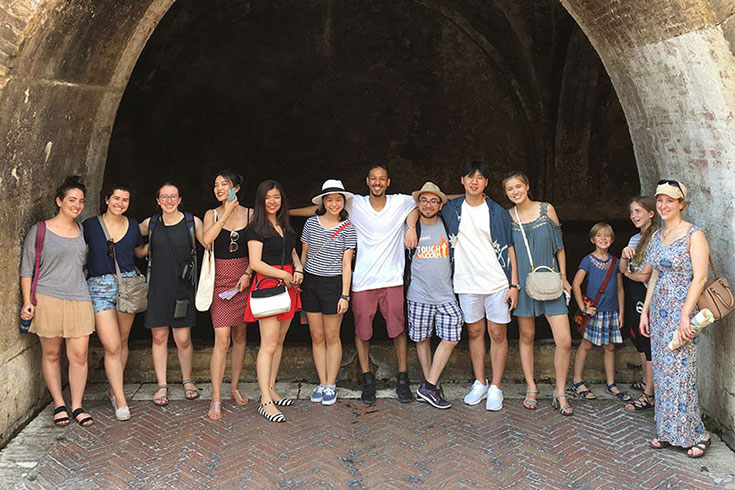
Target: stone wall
[{"x": 674, "y": 71}]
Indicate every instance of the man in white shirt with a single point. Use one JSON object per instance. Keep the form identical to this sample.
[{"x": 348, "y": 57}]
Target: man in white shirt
[{"x": 485, "y": 277}]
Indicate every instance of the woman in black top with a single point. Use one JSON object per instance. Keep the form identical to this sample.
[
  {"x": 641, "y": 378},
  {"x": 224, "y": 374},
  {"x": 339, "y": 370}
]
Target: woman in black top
[
  {"x": 170, "y": 294},
  {"x": 271, "y": 247},
  {"x": 225, "y": 227}
]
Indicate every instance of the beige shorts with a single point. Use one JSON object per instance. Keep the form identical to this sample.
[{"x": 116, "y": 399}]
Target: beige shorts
[{"x": 55, "y": 317}]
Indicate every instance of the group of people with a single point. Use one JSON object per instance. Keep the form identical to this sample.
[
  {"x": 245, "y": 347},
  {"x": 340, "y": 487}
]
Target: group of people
[{"x": 455, "y": 260}]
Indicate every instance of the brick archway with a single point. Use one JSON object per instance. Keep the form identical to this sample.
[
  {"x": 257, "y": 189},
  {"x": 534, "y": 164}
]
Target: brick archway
[{"x": 64, "y": 67}]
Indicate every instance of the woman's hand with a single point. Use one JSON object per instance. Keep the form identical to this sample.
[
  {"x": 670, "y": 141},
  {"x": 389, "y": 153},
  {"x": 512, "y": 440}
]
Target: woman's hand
[
  {"x": 298, "y": 277},
  {"x": 244, "y": 282},
  {"x": 685, "y": 328},
  {"x": 230, "y": 207},
  {"x": 590, "y": 311},
  {"x": 566, "y": 286},
  {"x": 342, "y": 306},
  {"x": 643, "y": 326},
  {"x": 628, "y": 253},
  {"x": 287, "y": 278},
  {"x": 27, "y": 311}
]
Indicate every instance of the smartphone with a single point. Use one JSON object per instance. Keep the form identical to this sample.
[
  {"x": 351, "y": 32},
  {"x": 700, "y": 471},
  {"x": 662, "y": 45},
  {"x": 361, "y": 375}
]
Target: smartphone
[
  {"x": 232, "y": 194},
  {"x": 567, "y": 297}
]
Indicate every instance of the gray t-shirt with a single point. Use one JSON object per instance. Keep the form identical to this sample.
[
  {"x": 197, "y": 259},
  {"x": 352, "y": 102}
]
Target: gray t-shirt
[
  {"x": 431, "y": 272},
  {"x": 61, "y": 272}
]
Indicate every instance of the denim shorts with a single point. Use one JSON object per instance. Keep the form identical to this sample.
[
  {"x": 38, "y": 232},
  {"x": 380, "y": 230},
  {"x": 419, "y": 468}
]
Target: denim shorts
[{"x": 103, "y": 290}]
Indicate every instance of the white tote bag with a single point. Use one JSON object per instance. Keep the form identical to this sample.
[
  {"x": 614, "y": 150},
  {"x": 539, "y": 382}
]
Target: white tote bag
[{"x": 205, "y": 289}]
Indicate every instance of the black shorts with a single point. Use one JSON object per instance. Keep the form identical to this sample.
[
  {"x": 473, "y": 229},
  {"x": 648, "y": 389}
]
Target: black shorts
[
  {"x": 320, "y": 294},
  {"x": 635, "y": 296}
]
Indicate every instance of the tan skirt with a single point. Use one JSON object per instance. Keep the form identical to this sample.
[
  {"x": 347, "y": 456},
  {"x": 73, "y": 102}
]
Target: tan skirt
[{"x": 55, "y": 317}]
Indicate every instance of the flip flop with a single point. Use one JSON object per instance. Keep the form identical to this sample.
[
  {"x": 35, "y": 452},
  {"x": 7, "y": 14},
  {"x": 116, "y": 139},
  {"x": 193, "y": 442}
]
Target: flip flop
[{"x": 238, "y": 398}]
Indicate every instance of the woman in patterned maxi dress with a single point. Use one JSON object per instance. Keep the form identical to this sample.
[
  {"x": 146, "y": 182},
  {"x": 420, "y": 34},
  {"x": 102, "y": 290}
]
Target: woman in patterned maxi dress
[{"x": 678, "y": 253}]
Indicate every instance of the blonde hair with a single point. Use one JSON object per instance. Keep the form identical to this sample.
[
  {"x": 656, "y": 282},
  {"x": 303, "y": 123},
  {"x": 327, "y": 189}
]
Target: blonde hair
[
  {"x": 597, "y": 227},
  {"x": 516, "y": 175},
  {"x": 649, "y": 205}
]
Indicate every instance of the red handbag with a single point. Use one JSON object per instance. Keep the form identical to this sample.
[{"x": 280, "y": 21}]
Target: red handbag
[{"x": 581, "y": 319}]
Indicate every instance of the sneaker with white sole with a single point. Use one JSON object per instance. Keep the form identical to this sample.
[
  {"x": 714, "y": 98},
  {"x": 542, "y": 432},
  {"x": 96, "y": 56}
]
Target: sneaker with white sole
[
  {"x": 477, "y": 393},
  {"x": 318, "y": 394},
  {"x": 329, "y": 395},
  {"x": 494, "y": 400}
]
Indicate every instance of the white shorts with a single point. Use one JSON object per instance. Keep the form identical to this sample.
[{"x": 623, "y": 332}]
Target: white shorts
[{"x": 491, "y": 306}]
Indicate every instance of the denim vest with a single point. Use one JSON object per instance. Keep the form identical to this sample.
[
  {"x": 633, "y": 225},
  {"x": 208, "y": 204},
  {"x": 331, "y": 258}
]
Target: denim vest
[{"x": 500, "y": 229}]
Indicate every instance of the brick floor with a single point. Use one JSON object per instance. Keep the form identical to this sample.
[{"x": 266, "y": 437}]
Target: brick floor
[{"x": 388, "y": 445}]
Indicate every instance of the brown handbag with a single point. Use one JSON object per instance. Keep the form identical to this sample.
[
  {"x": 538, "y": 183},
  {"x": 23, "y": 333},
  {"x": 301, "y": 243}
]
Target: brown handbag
[{"x": 717, "y": 296}]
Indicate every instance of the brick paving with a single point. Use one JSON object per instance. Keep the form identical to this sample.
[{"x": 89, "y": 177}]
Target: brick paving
[{"x": 388, "y": 445}]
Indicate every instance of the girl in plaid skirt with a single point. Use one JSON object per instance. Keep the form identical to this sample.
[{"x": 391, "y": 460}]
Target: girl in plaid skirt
[{"x": 603, "y": 328}]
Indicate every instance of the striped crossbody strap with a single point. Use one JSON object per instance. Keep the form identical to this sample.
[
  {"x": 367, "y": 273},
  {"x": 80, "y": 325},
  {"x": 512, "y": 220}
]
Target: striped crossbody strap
[{"x": 333, "y": 235}]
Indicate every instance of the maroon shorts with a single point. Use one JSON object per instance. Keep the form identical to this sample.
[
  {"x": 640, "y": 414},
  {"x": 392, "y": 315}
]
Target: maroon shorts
[{"x": 366, "y": 303}]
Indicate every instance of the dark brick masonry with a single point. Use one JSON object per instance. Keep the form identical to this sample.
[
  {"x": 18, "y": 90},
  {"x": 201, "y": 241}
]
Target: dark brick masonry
[{"x": 388, "y": 445}]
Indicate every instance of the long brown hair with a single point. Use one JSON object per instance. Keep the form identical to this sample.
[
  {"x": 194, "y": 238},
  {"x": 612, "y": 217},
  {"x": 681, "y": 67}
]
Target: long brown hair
[
  {"x": 649, "y": 205},
  {"x": 260, "y": 224}
]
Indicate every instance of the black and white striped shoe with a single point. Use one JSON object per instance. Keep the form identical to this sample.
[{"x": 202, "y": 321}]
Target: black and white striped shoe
[
  {"x": 283, "y": 402},
  {"x": 270, "y": 418}
]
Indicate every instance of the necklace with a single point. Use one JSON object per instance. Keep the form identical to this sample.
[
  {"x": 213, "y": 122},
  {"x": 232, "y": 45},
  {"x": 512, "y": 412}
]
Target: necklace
[{"x": 665, "y": 235}]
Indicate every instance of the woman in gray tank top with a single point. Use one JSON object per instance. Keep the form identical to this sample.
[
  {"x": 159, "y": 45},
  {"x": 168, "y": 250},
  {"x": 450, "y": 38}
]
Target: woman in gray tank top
[{"x": 57, "y": 300}]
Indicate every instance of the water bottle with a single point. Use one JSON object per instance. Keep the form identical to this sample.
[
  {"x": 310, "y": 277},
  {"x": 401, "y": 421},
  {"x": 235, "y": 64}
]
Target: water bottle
[{"x": 24, "y": 325}]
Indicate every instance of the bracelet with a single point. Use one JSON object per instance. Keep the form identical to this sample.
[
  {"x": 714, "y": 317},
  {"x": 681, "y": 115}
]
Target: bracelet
[
  {"x": 410, "y": 227},
  {"x": 346, "y": 298},
  {"x": 300, "y": 272},
  {"x": 249, "y": 274}
]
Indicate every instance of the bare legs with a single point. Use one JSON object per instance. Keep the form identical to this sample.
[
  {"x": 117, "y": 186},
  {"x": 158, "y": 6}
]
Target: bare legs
[
  {"x": 272, "y": 333},
  {"x": 326, "y": 346},
  {"x": 498, "y": 349},
  {"x": 432, "y": 370},
  {"x": 562, "y": 352},
  {"x": 217, "y": 364},
  {"x": 76, "y": 353},
  {"x": 184, "y": 348},
  {"x": 106, "y": 324}
]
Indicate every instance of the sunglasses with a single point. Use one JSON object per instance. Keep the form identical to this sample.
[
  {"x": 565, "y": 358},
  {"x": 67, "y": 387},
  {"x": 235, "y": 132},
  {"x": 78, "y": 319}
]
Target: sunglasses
[
  {"x": 111, "y": 249},
  {"x": 671, "y": 182},
  {"x": 234, "y": 237}
]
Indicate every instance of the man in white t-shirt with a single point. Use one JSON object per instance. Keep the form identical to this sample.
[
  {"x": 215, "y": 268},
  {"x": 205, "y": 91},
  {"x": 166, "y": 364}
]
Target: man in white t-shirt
[
  {"x": 485, "y": 277},
  {"x": 377, "y": 281}
]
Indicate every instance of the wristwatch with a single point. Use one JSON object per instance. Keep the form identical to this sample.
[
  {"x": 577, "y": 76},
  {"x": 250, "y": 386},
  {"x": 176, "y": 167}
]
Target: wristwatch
[
  {"x": 342, "y": 296},
  {"x": 516, "y": 286}
]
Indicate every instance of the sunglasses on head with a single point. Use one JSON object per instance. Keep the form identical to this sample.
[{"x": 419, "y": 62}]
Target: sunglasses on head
[{"x": 671, "y": 182}]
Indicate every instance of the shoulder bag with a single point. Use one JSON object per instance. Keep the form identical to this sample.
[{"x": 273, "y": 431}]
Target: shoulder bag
[
  {"x": 205, "y": 288},
  {"x": 542, "y": 283},
  {"x": 265, "y": 302},
  {"x": 581, "y": 319},
  {"x": 132, "y": 292},
  {"x": 717, "y": 294}
]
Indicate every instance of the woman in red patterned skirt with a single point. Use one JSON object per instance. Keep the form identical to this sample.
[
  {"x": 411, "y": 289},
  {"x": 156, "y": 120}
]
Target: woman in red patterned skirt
[{"x": 225, "y": 226}]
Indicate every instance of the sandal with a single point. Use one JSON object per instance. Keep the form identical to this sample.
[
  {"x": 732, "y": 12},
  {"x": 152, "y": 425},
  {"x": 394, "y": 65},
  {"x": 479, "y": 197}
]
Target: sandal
[
  {"x": 702, "y": 446},
  {"x": 190, "y": 393},
  {"x": 656, "y": 444},
  {"x": 239, "y": 399},
  {"x": 215, "y": 412},
  {"x": 86, "y": 421},
  {"x": 270, "y": 418},
  {"x": 643, "y": 402},
  {"x": 61, "y": 421},
  {"x": 621, "y": 395},
  {"x": 638, "y": 386},
  {"x": 564, "y": 408},
  {"x": 161, "y": 400},
  {"x": 283, "y": 402},
  {"x": 584, "y": 394},
  {"x": 528, "y": 402}
]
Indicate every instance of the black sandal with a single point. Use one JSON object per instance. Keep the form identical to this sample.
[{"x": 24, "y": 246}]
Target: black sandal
[
  {"x": 661, "y": 444},
  {"x": 86, "y": 421},
  {"x": 702, "y": 446},
  {"x": 643, "y": 402},
  {"x": 61, "y": 421}
]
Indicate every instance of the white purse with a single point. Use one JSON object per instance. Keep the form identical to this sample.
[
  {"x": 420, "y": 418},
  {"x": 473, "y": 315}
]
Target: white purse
[
  {"x": 205, "y": 289},
  {"x": 542, "y": 283},
  {"x": 270, "y": 301}
]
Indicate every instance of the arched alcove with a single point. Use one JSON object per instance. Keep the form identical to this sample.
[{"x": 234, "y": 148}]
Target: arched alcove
[{"x": 64, "y": 67}]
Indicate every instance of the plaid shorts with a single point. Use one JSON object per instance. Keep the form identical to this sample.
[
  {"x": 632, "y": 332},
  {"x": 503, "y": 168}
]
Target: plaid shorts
[
  {"x": 603, "y": 329},
  {"x": 422, "y": 317}
]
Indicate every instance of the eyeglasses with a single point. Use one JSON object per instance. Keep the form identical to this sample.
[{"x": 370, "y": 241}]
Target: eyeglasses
[
  {"x": 234, "y": 237},
  {"x": 111, "y": 249},
  {"x": 433, "y": 202},
  {"x": 172, "y": 197},
  {"x": 671, "y": 182}
]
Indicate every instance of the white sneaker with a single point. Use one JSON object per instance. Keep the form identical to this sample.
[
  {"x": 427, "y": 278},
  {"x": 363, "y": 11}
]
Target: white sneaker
[
  {"x": 494, "y": 399},
  {"x": 476, "y": 394}
]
